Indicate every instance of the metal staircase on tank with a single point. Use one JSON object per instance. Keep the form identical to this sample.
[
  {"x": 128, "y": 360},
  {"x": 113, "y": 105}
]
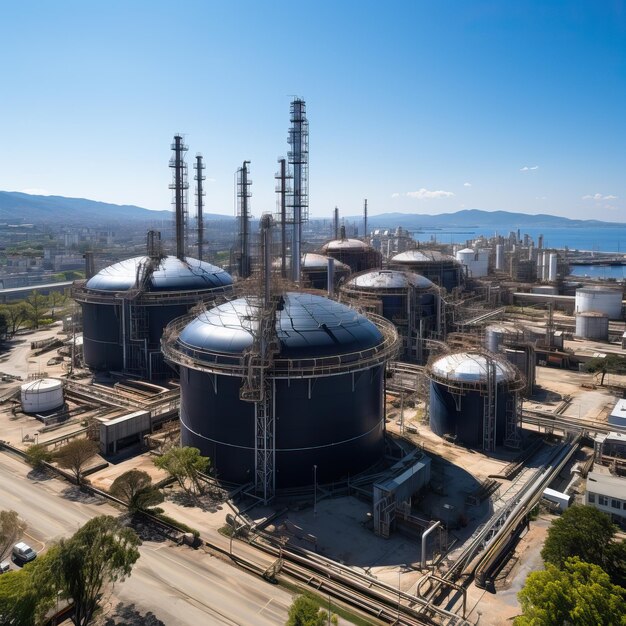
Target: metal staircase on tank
[
  {"x": 258, "y": 388},
  {"x": 138, "y": 328},
  {"x": 489, "y": 408},
  {"x": 512, "y": 437}
]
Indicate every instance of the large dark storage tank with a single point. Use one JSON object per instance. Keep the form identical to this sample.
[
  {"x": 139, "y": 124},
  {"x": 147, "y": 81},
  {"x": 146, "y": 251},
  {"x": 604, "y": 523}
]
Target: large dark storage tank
[
  {"x": 355, "y": 253},
  {"x": 327, "y": 386},
  {"x": 442, "y": 269},
  {"x": 459, "y": 398},
  {"x": 407, "y": 299},
  {"x": 127, "y": 305}
]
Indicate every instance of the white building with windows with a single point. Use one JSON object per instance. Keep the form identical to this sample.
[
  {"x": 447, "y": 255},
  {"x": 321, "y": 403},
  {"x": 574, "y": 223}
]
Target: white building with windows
[{"x": 607, "y": 492}]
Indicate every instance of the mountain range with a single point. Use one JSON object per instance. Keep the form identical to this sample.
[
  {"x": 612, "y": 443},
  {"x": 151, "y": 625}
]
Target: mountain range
[
  {"x": 17, "y": 207},
  {"x": 26, "y": 208},
  {"x": 469, "y": 218}
]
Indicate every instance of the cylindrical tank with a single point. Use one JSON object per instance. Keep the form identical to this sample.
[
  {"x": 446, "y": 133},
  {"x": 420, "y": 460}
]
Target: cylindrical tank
[
  {"x": 315, "y": 271},
  {"x": 599, "y": 299},
  {"x": 325, "y": 387},
  {"x": 459, "y": 402},
  {"x": 476, "y": 263},
  {"x": 592, "y": 325},
  {"x": 442, "y": 269},
  {"x": 405, "y": 298},
  {"x": 357, "y": 254},
  {"x": 127, "y": 305},
  {"x": 552, "y": 267},
  {"x": 44, "y": 394},
  {"x": 496, "y": 335},
  {"x": 499, "y": 257}
]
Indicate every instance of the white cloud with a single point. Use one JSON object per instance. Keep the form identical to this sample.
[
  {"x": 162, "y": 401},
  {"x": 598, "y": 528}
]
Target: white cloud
[
  {"x": 467, "y": 184},
  {"x": 598, "y": 197},
  {"x": 395, "y": 195},
  {"x": 541, "y": 198},
  {"x": 36, "y": 192},
  {"x": 426, "y": 194},
  {"x": 529, "y": 168}
]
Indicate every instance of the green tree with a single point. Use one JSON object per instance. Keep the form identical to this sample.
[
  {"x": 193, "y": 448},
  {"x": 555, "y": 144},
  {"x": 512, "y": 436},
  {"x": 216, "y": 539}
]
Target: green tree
[
  {"x": 581, "y": 593},
  {"x": 99, "y": 554},
  {"x": 56, "y": 299},
  {"x": 581, "y": 531},
  {"x": 27, "y": 595},
  {"x": 16, "y": 315},
  {"x": 37, "y": 455},
  {"x": 11, "y": 528},
  {"x": 37, "y": 305},
  {"x": 304, "y": 611},
  {"x": 185, "y": 465},
  {"x": 4, "y": 324},
  {"x": 136, "y": 489},
  {"x": 609, "y": 364},
  {"x": 75, "y": 455}
]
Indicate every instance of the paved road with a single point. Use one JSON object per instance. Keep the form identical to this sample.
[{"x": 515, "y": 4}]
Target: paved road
[{"x": 177, "y": 585}]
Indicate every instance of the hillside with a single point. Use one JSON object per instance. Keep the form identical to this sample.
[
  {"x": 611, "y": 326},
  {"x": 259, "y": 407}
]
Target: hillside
[{"x": 25, "y": 208}]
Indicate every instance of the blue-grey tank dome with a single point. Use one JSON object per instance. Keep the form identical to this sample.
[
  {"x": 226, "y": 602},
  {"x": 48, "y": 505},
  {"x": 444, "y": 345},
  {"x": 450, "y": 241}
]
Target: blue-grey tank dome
[
  {"x": 171, "y": 274},
  {"x": 389, "y": 279},
  {"x": 306, "y": 325}
]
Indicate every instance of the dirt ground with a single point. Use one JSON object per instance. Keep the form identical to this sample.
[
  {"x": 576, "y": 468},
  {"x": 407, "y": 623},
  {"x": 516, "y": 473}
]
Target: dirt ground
[{"x": 497, "y": 609}]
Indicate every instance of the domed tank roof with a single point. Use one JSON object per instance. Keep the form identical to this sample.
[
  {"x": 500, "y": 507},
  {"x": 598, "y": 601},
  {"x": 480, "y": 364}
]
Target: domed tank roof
[
  {"x": 421, "y": 256},
  {"x": 470, "y": 367},
  {"x": 306, "y": 325},
  {"x": 344, "y": 244},
  {"x": 314, "y": 261},
  {"x": 170, "y": 274},
  {"x": 389, "y": 279}
]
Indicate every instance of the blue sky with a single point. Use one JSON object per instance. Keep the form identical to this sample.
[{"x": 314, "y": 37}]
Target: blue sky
[{"x": 422, "y": 107}]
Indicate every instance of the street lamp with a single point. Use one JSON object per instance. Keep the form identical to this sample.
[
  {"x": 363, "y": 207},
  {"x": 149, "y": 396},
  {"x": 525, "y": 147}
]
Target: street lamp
[{"x": 315, "y": 490}]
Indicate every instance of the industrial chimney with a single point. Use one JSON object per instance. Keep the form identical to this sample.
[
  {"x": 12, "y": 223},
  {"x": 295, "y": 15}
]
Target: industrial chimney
[{"x": 179, "y": 185}]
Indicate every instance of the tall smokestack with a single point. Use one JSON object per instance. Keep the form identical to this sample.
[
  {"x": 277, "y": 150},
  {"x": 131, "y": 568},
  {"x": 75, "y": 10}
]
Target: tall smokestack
[
  {"x": 281, "y": 190},
  {"x": 336, "y": 222},
  {"x": 299, "y": 161},
  {"x": 365, "y": 218},
  {"x": 243, "y": 212},
  {"x": 199, "y": 167},
  {"x": 179, "y": 185}
]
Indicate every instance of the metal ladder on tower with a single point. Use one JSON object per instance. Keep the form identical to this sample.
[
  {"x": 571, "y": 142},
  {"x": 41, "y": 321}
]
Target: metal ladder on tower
[
  {"x": 489, "y": 407},
  {"x": 258, "y": 388},
  {"x": 512, "y": 437}
]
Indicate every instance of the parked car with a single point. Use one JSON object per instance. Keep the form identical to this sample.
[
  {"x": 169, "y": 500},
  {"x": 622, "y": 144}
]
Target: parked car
[
  {"x": 5, "y": 566},
  {"x": 23, "y": 553}
]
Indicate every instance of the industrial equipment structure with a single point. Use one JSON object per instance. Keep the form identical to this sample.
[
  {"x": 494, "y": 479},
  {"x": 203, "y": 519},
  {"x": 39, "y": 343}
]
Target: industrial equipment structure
[
  {"x": 474, "y": 399},
  {"x": 407, "y": 299},
  {"x": 42, "y": 394},
  {"x": 126, "y": 306}
]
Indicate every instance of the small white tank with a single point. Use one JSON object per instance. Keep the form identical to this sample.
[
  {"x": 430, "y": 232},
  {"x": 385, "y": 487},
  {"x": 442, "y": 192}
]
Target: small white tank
[
  {"x": 44, "y": 394},
  {"x": 601, "y": 300},
  {"x": 592, "y": 325}
]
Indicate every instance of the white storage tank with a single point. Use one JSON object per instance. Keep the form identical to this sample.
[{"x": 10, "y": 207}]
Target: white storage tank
[
  {"x": 601, "y": 300},
  {"x": 592, "y": 325},
  {"x": 549, "y": 290},
  {"x": 44, "y": 394},
  {"x": 552, "y": 268},
  {"x": 476, "y": 263}
]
